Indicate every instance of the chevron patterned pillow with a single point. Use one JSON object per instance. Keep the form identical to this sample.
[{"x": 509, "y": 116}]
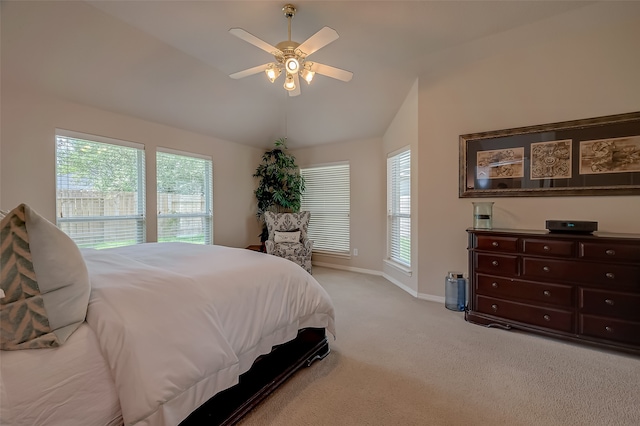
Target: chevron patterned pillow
[{"x": 45, "y": 281}]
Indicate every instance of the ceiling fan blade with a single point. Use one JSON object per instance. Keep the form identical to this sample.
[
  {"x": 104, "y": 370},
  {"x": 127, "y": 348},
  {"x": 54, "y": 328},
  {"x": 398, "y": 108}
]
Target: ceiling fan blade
[
  {"x": 320, "y": 39},
  {"x": 296, "y": 91},
  {"x": 332, "y": 72},
  {"x": 250, "y": 38},
  {"x": 250, "y": 71}
]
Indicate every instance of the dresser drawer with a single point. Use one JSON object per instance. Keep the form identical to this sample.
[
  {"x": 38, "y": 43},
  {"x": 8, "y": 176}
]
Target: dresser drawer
[
  {"x": 613, "y": 252},
  {"x": 610, "y": 329},
  {"x": 607, "y": 275},
  {"x": 496, "y": 264},
  {"x": 504, "y": 288},
  {"x": 549, "y": 269},
  {"x": 548, "y": 247},
  {"x": 610, "y": 303},
  {"x": 491, "y": 243},
  {"x": 535, "y": 315},
  {"x": 596, "y": 273}
]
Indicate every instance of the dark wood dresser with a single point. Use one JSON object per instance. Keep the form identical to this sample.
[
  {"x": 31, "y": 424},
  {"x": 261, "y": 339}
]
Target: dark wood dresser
[{"x": 584, "y": 288}]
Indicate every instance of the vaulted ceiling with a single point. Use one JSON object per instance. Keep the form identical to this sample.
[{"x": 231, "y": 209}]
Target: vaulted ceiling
[{"x": 169, "y": 61}]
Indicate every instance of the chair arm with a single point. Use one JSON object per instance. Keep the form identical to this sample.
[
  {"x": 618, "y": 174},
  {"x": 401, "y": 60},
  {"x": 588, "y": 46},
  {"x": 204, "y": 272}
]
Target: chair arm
[
  {"x": 269, "y": 246},
  {"x": 308, "y": 244}
]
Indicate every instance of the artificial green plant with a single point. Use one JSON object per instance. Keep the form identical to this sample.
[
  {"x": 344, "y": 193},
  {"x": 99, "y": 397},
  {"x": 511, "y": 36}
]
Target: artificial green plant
[{"x": 280, "y": 184}]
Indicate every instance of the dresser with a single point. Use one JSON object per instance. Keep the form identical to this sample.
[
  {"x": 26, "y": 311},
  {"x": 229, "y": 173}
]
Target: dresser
[{"x": 583, "y": 288}]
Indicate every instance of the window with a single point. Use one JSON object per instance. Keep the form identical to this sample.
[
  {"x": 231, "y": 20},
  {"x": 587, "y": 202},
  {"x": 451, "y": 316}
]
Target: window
[
  {"x": 185, "y": 197},
  {"x": 399, "y": 207},
  {"x": 327, "y": 197},
  {"x": 100, "y": 190}
]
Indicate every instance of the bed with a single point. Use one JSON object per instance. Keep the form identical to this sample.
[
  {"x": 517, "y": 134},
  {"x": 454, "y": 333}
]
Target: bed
[{"x": 175, "y": 333}]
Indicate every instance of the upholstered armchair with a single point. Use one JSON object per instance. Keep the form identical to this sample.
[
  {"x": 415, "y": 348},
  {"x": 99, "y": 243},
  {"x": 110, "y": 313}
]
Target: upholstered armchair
[{"x": 288, "y": 237}]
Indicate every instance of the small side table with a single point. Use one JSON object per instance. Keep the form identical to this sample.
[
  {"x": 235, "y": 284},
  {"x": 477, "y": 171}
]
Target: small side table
[{"x": 255, "y": 247}]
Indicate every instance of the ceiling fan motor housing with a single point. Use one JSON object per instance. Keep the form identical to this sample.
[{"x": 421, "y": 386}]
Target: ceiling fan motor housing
[{"x": 289, "y": 56}]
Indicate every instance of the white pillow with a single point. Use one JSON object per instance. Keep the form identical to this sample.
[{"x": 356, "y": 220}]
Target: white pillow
[{"x": 286, "y": 237}]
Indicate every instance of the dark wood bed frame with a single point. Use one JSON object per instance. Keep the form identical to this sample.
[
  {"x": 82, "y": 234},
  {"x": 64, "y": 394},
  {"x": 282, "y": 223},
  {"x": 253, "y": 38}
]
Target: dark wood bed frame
[{"x": 267, "y": 373}]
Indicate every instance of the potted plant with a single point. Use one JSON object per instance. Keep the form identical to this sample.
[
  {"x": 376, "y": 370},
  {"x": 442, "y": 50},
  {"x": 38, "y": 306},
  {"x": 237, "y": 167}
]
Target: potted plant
[{"x": 280, "y": 184}]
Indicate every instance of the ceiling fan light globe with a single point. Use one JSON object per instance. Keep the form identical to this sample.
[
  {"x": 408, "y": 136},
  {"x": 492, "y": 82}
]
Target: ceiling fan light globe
[
  {"x": 289, "y": 83},
  {"x": 272, "y": 73},
  {"x": 307, "y": 75},
  {"x": 292, "y": 65}
]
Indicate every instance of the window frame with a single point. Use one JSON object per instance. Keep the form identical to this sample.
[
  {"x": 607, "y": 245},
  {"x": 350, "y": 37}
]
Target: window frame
[
  {"x": 393, "y": 207},
  {"x": 140, "y": 218}
]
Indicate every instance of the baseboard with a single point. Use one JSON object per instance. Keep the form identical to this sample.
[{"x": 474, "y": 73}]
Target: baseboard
[
  {"x": 421, "y": 296},
  {"x": 431, "y": 298},
  {"x": 399, "y": 284}
]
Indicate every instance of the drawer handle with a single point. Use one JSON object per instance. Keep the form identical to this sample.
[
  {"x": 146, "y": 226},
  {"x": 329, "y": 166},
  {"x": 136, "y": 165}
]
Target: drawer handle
[
  {"x": 494, "y": 285},
  {"x": 609, "y": 302},
  {"x": 546, "y": 293},
  {"x": 546, "y": 248},
  {"x": 495, "y": 263},
  {"x": 547, "y": 318},
  {"x": 546, "y": 269},
  {"x": 610, "y": 275},
  {"x": 495, "y": 308},
  {"x": 609, "y": 329},
  {"x": 610, "y": 252},
  {"x": 495, "y": 244}
]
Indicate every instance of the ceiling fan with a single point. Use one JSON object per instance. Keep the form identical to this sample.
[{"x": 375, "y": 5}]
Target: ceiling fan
[{"x": 291, "y": 57}]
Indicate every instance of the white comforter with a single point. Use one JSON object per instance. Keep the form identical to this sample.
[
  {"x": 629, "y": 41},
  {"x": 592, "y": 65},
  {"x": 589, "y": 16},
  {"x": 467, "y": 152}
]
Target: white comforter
[{"x": 178, "y": 323}]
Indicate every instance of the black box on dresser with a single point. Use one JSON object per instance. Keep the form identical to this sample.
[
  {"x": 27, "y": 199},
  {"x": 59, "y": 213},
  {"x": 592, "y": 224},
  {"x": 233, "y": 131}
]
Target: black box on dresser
[{"x": 579, "y": 287}]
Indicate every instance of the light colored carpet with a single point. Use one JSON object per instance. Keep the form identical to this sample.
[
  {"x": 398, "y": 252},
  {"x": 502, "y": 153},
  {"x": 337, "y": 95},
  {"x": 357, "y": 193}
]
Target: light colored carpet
[{"x": 399, "y": 361}]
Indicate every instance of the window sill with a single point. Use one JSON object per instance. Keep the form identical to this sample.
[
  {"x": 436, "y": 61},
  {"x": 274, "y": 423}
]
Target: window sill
[{"x": 397, "y": 266}]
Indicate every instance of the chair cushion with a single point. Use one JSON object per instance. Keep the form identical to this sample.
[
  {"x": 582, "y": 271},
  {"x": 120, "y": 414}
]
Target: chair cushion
[
  {"x": 289, "y": 250},
  {"x": 295, "y": 252}
]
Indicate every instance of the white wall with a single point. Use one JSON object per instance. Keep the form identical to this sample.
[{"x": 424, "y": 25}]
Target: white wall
[
  {"x": 402, "y": 132},
  {"x": 29, "y": 121},
  {"x": 592, "y": 73},
  {"x": 368, "y": 168}
]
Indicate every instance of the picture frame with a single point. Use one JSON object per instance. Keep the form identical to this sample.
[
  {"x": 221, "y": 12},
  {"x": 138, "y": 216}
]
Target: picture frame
[{"x": 595, "y": 156}]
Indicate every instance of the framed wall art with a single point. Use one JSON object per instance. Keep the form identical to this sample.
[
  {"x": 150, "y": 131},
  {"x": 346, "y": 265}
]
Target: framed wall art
[{"x": 596, "y": 156}]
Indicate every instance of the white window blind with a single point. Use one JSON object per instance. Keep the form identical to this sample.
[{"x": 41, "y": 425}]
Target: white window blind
[
  {"x": 100, "y": 190},
  {"x": 399, "y": 207},
  {"x": 185, "y": 197},
  {"x": 327, "y": 196}
]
